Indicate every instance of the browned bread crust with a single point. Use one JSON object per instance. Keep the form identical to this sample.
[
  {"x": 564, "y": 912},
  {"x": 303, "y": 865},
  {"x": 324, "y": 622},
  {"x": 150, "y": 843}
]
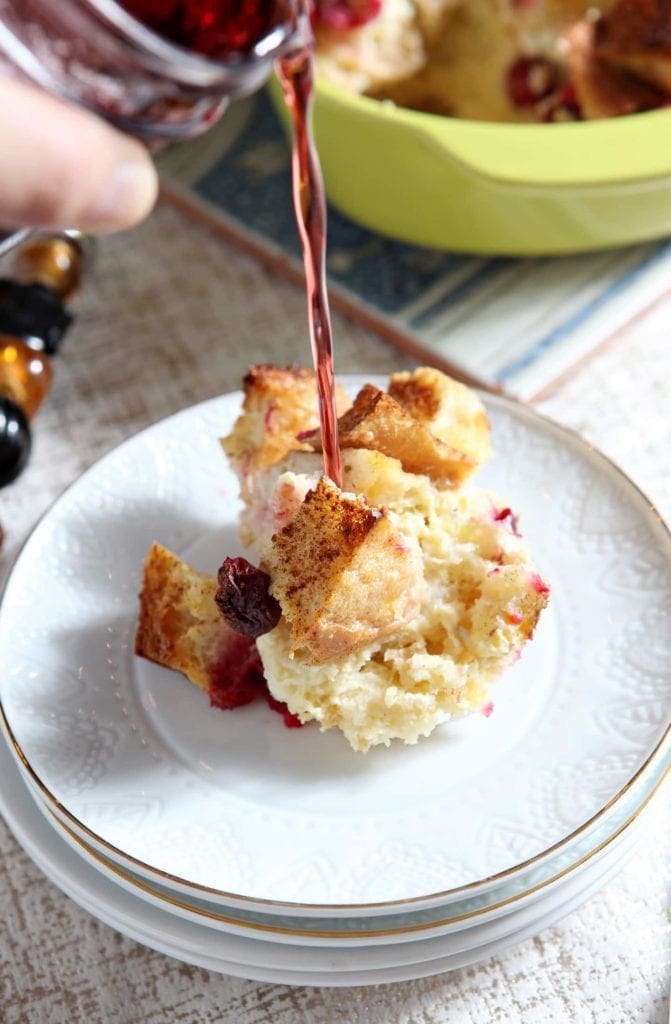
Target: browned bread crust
[
  {"x": 636, "y": 36},
  {"x": 376, "y": 421},
  {"x": 451, "y": 411},
  {"x": 636, "y": 26},
  {"x": 279, "y": 404},
  {"x": 343, "y": 574},
  {"x": 179, "y": 625},
  {"x": 605, "y": 87}
]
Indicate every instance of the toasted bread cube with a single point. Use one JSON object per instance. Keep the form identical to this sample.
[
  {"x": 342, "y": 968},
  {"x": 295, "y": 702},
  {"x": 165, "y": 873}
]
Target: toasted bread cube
[
  {"x": 343, "y": 574},
  {"x": 602, "y": 88},
  {"x": 378, "y": 422},
  {"x": 635, "y": 36},
  {"x": 179, "y": 625},
  {"x": 451, "y": 411},
  {"x": 279, "y": 405}
]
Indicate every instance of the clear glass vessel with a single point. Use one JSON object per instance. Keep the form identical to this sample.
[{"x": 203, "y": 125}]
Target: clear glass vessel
[
  {"x": 95, "y": 54},
  {"x": 92, "y": 52}
]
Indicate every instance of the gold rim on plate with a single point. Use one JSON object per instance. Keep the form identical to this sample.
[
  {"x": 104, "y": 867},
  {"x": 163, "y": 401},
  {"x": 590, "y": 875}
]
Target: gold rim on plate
[{"x": 173, "y": 901}]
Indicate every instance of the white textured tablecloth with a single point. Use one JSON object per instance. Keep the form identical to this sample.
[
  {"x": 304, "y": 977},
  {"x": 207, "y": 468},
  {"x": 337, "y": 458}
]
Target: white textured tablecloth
[{"x": 171, "y": 316}]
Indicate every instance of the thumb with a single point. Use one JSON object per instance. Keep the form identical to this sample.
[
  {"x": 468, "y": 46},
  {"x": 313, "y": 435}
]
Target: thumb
[{"x": 62, "y": 167}]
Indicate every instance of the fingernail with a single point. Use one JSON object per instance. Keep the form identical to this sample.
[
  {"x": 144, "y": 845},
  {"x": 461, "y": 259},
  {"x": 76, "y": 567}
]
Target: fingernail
[{"x": 128, "y": 196}]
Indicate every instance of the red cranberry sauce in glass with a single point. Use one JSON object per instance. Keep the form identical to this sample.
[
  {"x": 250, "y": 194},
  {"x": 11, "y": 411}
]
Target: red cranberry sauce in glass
[{"x": 215, "y": 28}]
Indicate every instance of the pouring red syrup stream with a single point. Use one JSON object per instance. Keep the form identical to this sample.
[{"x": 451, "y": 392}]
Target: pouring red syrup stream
[
  {"x": 220, "y": 29},
  {"x": 296, "y": 76}
]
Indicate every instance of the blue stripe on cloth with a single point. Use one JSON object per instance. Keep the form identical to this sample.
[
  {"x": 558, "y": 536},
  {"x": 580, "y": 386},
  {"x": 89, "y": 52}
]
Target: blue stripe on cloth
[
  {"x": 461, "y": 291},
  {"x": 584, "y": 313}
]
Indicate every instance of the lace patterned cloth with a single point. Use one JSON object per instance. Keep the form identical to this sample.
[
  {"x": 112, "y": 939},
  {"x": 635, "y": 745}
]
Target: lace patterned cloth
[{"x": 171, "y": 316}]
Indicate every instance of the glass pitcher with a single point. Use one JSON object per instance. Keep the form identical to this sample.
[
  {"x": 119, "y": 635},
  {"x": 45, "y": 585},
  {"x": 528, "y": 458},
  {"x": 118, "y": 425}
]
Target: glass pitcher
[{"x": 95, "y": 54}]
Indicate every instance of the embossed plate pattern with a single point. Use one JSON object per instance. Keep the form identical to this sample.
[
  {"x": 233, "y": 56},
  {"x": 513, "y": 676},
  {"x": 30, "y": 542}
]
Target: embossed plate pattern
[
  {"x": 236, "y": 804},
  {"x": 527, "y": 887},
  {"x": 264, "y": 960}
]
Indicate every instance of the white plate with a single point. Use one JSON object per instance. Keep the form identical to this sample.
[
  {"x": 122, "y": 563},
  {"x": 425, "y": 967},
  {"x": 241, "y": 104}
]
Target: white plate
[
  {"x": 266, "y": 960},
  {"x": 500, "y": 902},
  {"x": 233, "y": 803}
]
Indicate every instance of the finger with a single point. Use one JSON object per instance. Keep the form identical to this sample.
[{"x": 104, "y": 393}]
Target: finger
[{"x": 62, "y": 167}]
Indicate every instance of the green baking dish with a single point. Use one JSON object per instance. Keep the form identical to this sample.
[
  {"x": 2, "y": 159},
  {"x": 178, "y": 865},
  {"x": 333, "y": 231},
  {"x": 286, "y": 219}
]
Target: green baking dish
[{"x": 491, "y": 188}]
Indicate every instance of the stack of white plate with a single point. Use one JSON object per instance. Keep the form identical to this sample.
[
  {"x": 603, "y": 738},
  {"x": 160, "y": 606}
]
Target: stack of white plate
[{"x": 231, "y": 842}]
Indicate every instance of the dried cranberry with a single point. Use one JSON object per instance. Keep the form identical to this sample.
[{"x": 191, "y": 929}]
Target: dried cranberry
[
  {"x": 530, "y": 79},
  {"x": 344, "y": 14},
  {"x": 244, "y": 599}
]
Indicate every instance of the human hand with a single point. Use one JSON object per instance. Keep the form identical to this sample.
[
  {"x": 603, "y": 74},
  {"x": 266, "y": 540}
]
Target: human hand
[{"x": 62, "y": 167}]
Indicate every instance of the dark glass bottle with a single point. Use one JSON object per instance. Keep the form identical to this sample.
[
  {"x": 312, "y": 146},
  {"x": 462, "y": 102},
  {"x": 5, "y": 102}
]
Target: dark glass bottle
[{"x": 33, "y": 320}]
